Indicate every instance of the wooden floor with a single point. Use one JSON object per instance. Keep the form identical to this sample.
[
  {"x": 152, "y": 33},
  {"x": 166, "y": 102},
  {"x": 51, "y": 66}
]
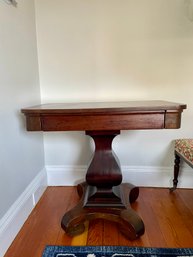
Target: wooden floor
[{"x": 168, "y": 219}]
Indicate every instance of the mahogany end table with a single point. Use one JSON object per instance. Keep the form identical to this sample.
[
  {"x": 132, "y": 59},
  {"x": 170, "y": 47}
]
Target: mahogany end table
[{"x": 103, "y": 195}]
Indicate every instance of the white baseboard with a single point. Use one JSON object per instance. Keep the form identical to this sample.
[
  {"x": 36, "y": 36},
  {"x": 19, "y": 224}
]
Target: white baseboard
[
  {"x": 63, "y": 175},
  {"x": 137, "y": 175},
  {"x": 15, "y": 217}
]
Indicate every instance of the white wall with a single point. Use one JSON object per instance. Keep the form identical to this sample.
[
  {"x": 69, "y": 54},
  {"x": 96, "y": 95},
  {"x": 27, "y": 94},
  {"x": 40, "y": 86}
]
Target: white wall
[
  {"x": 21, "y": 153},
  {"x": 116, "y": 50}
]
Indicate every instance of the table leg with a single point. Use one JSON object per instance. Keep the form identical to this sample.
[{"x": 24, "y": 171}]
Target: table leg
[{"x": 103, "y": 195}]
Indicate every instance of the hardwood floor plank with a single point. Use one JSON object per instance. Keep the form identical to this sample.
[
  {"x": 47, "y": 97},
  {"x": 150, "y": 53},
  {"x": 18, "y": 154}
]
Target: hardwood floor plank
[
  {"x": 168, "y": 219},
  {"x": 111, "y": 233},
  {"x": 173, "y": 227},
  {"x": 184, "y": 206},
  {"x": 96, "y": 230},
  {"x": 186, "y": 196}
]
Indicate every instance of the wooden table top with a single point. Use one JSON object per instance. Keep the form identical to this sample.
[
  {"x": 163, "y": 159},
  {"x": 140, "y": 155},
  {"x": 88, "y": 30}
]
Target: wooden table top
[{"x": 104, "y": 107}]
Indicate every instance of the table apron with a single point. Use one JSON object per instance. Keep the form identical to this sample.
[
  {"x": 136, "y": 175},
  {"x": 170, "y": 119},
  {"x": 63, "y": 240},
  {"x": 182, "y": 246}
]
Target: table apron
[{"x": 133, "y": 121}]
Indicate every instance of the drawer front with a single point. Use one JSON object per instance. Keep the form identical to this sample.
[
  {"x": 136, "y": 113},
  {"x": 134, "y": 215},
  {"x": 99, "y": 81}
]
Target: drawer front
[{"x": 102, "y": 122}]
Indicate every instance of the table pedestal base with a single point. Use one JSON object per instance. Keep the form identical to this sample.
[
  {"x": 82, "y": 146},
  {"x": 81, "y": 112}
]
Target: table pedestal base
[
  {"x": 103, "y": 195},
  {"x": 117, "y": 210}
]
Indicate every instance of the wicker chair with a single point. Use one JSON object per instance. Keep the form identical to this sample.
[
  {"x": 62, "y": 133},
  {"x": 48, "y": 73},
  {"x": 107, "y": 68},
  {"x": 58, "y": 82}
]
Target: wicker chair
[{"x": 183, "y": 150}]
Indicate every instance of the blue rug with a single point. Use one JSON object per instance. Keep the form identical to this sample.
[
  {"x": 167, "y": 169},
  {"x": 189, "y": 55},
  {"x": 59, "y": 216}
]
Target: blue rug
[{"x": 114, "y": 251}]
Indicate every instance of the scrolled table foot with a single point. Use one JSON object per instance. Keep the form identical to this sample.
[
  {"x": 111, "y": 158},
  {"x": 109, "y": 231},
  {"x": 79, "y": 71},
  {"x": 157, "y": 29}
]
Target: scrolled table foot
[
  {"x": 130, "y": 191},
  {"x": 73, "y": 221},
  {"x": 132, "y": 225},
  {"x": 74, "y": 230}
]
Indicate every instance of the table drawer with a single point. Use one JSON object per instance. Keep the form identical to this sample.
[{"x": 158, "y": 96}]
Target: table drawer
[{"x": 102, "y": 122}]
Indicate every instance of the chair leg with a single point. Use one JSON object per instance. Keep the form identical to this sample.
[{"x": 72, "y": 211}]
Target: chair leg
[{"x": 176, "y": 172}]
